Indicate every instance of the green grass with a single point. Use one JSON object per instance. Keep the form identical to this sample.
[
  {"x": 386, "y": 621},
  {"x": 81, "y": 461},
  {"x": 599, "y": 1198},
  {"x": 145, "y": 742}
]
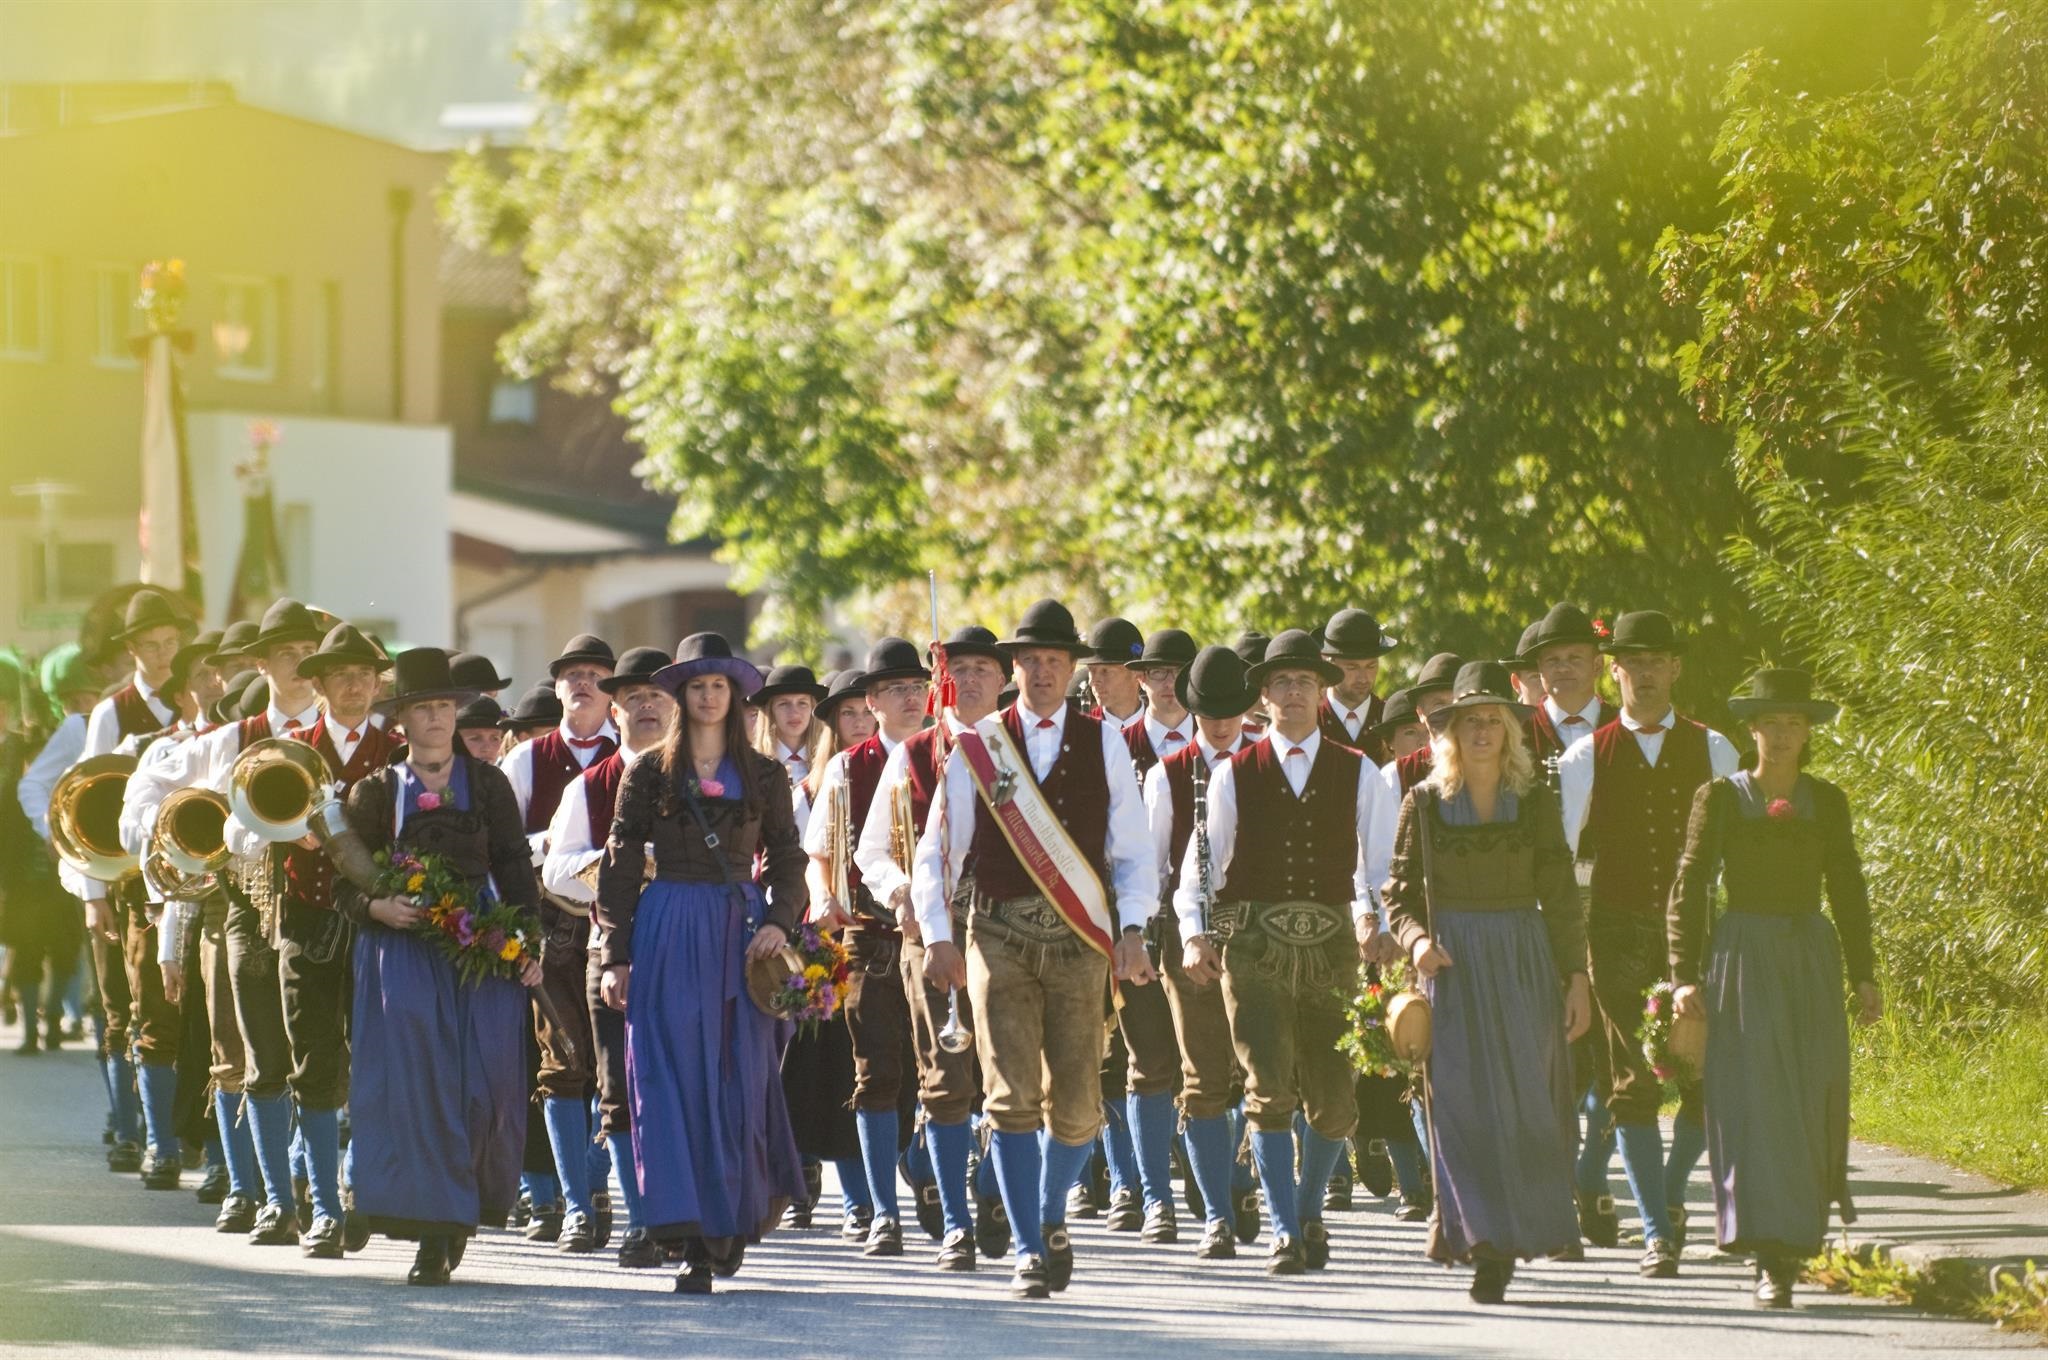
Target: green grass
[{"x": 1973, "y": 1093}]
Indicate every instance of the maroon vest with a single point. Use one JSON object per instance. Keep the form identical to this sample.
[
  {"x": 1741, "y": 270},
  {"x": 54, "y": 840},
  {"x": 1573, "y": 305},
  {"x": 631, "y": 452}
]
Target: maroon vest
[
  {"x": 601, "y": 795},
  {"x": 1635, "y": 826},
  {"x": 921, "y": 767},
  {"x": 1139, "y": 739},
  {"x": 1077, "y": 789},
  {"x": 1178, "y": 770},
  {"x": 1332, "y": 728},
  {"x": 254, "y": 730},
  {"x": 1415, "y": 767},
  {"x": 132, "y": 712},
  {"x": 863, "y": 772},
  {"x": 309, "y": 874},
  {"x": 1293, "y": 849},
  {"x": 555, "y": 767}
]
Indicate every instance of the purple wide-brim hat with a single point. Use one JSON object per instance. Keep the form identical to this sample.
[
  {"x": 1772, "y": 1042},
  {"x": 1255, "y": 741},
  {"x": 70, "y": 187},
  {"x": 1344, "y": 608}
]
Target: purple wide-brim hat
[{"x": 709, "y": 654}]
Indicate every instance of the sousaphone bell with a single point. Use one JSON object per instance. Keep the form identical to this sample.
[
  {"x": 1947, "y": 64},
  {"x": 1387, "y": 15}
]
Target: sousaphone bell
[{"x": 85, "y": 818}]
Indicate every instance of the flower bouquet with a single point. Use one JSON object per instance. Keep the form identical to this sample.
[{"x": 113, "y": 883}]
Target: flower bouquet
[
  {"x": 817, "y": 992},
  {"x": 1672, "y": 1048},
  {"x": 1366, "y": 1040},
  {"x": 480, "y": 939}
]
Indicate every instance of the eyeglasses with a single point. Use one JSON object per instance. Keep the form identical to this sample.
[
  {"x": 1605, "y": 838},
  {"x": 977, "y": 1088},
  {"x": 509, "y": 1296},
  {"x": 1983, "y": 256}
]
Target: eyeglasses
[{"x": 898, "y": 689}]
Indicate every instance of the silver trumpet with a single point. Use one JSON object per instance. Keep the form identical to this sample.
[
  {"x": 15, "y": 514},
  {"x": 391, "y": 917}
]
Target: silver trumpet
[{"x": 955, "y": 1037}]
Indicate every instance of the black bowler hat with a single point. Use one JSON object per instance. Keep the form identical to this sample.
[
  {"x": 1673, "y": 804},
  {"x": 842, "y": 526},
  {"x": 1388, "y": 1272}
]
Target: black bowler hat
[
  {"x": 583, "y": 649},
  {"x": 254, "y": 698},
  {"x": 286, "y": 621},
  {"x": 788, "y": 680},
  {"x": 235, "y": 641},
  {"x": 1645, "y": 630},
  {"x": 1781, "y": 689},
  {"x": 638, "y": 666},
  {"x": 149, "y": 609},
  {"x": 344, "y": 645},
  {"x": 1166, "y": 647},
  {"x": 477, "y": 671},
  {"x": 1113, "y": 641},
  {"x": 481, "y": 713},
  {"x": 1354, "y": 635},
  {"x": 894, "y": 658},
  {"x": 1250, "y": 646},
  {"x": 1213, "y": 685},
  {"x": 1564, "y": 623},
  {"x": 1439, "y": 672},
  {"x": 538, "y": 707},
  {"x": 228, "y": 707},
  {"x": 1399, "y": 712},
  {"x": 849, "y": 684},
  {"x": 1524, "y": 658},
  {"x": 1479, "y": 684},
  {"x": 708, "y": 654},
  {"x": 1050, "y": 624},
  {"x": 195, "y": 653},
  {"x": 974, "y": 640},
  {"x": 422, "y": 674},
  {"x": 1294, "y": 650}
]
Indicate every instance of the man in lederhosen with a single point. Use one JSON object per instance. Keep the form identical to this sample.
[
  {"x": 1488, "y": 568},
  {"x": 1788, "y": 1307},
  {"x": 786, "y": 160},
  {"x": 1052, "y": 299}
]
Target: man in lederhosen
[
  {"x": 1113, "y": 644},
  {"x": 1043, "y": 810},
  {"x": 565, "y": 1076},
  {"x": 1290, "y": 825},
  {"x": 642, "y": 711},
  {"x": 1627, "y": 791},
  {"x": 1354, "y": 642},
  {"x": 877, "y": 1008}
]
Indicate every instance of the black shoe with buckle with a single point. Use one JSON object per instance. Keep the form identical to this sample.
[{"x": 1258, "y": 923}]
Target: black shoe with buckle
[
  {"x": 1248, "y": 1220},
  {"x": 213, "y": 1187},
  {"x": 1124, "y": 1214},
  {"x": 1598, "y": 1223},
  {"x": 931, "y": 1214},
  {"x": 1059, "y": 1257},
  {"x": 1660, "y": 1260},
  {"x": 1315, "y": 1243},
  {"x": 578, "y": 1235},
  {"x": 275, "y": 1227},
  {"x": 160, "y": 1172},
  {"x": 858, "y": 1219},
  {"x": 1160, "y": 1224},
  {"x": 1287, "y": 1257},
  {"x": 546, "y": 1225},
  {"x": 957, "y": 1253},
  {"x": 1376, "y": 1169},
  {"x": 1032, "y": 1279},
  {"x": 1219, "y": 1243},
  {"x": 322, "y": 1241},
  {"x": 638, "y": 1251},
  {"x": 1490, "y": 1280},
  {"x": 237, "y": 1215},
  {"x": 991, "y": 1227},
  {"x": 430, "y": 1263},
  {"x": 885, "y": 1238}
]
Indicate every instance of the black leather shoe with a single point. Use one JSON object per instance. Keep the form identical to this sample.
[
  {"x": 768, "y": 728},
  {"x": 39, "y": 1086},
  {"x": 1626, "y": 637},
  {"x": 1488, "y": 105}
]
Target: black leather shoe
[
  {"x": 1032, "y": 1279},
  {"x": 1490, "y": 1280},
  {"x": 1059, "y": 1258},
  {"x": 1286, "y": 1257},
  {"x": 956, "y": 1253},
  {"x": 546, "y": 1225},
  {"x": 1376, "y": 1169},
  {"x": 1079, "y": 1205},
  {"x": 322, "y": 1241},
  {"x": 430, "y": 1265},
  {"x": 931, "y": 1214},
  {"x": 638, "y": 1251},
  {"x": 1414, "y": 1210},
  {"x": 1160, "y": 1224},
  {"x": 1337, "y": 1195},
  {"x": 1660, "y": 1260},
  {"x": 522, "y": 1211},
  {"x": 1124, "y": 1214},
  {"x": 725, "y": 1254},
  {"x": 885, "y": 1238},
  {"x": 991, "y": 1228},
  {"x": 124, "y": 1157},
  {"x": 1315, "y": 1243},
  {"x": 355, "y": 1231},
  {"x": 854, "y": 1226},
  {"x": 274, "y": 1228},
  {"x": 578, "y": 1235},
  {"x": 237, "y": 1215},
  {"x": 455, "y": 1247},
  {"x": 160, "y": 1173},
  {"x": 1598, "y": 1223},
  {"x": 1219, "y": 1243},
  {"x": 601, "y": 1217},
  {"x": 1248, "y": 1219},
  {"x": 213, "y": 1187},
  {"x": 694, "y": 1278},
  {"x": 798, "y": 1215}
]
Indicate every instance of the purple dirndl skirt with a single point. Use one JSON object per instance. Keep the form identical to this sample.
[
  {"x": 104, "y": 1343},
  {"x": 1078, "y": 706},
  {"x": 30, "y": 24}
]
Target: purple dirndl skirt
[
  {"x": 710, "y": 1126},
  {"x": 1502, "y": 1126},
  {"x": 437, "y": 1098}
]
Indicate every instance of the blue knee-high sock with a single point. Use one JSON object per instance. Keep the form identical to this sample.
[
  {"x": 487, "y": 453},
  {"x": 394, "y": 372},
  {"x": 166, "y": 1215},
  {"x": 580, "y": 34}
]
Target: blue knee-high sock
[
  {"x": 1153, "y": 1120},
  {"x": 159, "y": 1098},
  {"x": 1688, "y": 1145},
  {"x": 1117, "y": 1148},
  {"x": 212, "y": 1148},
  {"x": 270, "y": 1126},
  {"x": 985, "y": 1183},
  {"x": 301, "y": 1169},
  {"x": 1318, "y": 1163},
  {"x": 237, "y": 1146},
  {"x": 1273, "y": 1150},
  {"x": 1407, "y": 1160},
  {"x": 1019, "y": 1171},
  {"x": 568, "y": 1122},
  {"x": 878, "y": 1133},
  {"x": 1596, "y": 1152},
  {"x": 949, "y": 1145},
  {"x": 321, "y": 1130},
  {"x": 1063, "y": 1164},
  {"x": 1212, "y": 1156},
  {"x": 853, "y": 1182},
  {"x": 621, "y": 1145},
  {"x": 127, "y": 1100},
  {"x": 1642, "y": 1160}
]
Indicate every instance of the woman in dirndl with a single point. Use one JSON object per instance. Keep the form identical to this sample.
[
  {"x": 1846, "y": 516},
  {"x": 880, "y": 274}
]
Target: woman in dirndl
[
  {"x": 1482, "y": 896},
  {"x": 1768, "y": 976},
  {"x": 718, "y": 1164},
  {"x": 437, "y": 1095}
]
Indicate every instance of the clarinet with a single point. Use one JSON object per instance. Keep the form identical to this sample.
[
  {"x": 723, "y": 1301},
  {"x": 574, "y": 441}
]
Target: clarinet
[{"x": 1203, "y": 889}]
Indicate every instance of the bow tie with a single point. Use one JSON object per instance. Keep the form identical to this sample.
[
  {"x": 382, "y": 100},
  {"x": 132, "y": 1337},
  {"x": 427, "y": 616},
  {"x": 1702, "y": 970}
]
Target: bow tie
[{"x": 586, "y": 743}]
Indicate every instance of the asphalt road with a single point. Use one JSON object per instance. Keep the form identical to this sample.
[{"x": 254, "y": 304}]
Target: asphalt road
[{"x": 90, "y": 1264}]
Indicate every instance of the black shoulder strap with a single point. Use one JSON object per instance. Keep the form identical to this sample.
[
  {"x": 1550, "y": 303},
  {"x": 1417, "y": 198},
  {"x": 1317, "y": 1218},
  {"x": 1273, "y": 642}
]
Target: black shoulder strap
[{"x": 686, "y": 785}]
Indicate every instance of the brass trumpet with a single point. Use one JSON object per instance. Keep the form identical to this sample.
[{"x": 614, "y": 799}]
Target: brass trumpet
[
  {"x": 85, "y": 818},
  {"x": 954, "y": 1037},
  {"x": 188, "y": 845},
  {"x": 275, "y": 786}
]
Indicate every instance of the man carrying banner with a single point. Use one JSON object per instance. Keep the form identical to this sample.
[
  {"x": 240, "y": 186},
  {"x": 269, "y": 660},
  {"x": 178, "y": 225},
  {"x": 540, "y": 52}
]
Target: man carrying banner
[{"x": 1044, "y": 810}]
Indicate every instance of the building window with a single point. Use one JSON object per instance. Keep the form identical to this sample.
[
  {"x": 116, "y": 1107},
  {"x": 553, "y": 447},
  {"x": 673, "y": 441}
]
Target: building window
[
  {"x": 512, "y": 402},
  {"x": 114, "y": 288},
  {"x": 81, "y": 571},
  {"x": 24, "y": 308},
  {"x": 326, "y": 363},
  {"x": 245, "y": 329}
]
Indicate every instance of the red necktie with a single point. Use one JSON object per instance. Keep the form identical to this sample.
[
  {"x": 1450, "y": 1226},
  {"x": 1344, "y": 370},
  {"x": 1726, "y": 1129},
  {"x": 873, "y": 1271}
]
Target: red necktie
[
  {"x": 1574, "y": 718},
  {"x": 354, "y": 735},
  {"x": 1172, "y": 737},
  {"x": 1297, "y": 751},
  {"x": 294, "y": 725},
  {"x": 1658, "y": 730},
  {"x": 1044, "y": 723},
  {"x": 586, "y": 743}
]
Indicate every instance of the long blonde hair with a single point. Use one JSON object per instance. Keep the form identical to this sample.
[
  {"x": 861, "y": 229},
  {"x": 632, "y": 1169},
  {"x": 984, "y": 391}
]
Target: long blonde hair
[
  {"x": 769, "y": 744},
  {"x": 1447, "y": 766}
]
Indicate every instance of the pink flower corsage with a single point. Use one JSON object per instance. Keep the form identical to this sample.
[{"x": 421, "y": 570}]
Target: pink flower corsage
[
  {"x": 1779, "y": 809},
  {"x": 712, "y": 788},
  {"x": 429, "y": 801}
]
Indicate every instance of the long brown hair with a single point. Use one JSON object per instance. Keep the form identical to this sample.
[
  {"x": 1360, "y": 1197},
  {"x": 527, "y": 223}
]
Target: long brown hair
[{"x": 675, "y": 760}]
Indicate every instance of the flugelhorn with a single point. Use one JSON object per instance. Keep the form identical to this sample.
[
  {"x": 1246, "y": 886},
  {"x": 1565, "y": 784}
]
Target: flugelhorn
[
  {"x": 188, "y": 845},
  {"x": 274, "y": 787},
  {"x": 954, "y": 1037},
  {"x": 85, "y": 818},
  {"x": 838, "y": 846}
]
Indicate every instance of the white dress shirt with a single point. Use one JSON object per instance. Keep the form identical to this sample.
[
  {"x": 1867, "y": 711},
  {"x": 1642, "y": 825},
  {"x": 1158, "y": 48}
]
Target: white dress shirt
[
  {"x": 1352, "y": 718},
  {"x": 345, "y": 738},
  {"x": 818, "y": 831},
  {"x": 1159, "y": 802},
  {"x": 517, "y": 764},
  {"x": 1366, "y": 873},
  {"x": 573, "y": 844},
  {"x": 1575, "y": 767},
  {"x": 1571, "y": 726},
  {"x": 103, "y": 729},
  {"x": 1133, "y": 888},
  {"x": 878, "y": 868}
]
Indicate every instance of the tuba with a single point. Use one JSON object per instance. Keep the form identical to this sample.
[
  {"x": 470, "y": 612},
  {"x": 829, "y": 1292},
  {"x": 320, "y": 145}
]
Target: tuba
[
  {"x": 189, "y": 845},
  {"x": 276, "y": 785},
  {"x": 85, "y": 818}
]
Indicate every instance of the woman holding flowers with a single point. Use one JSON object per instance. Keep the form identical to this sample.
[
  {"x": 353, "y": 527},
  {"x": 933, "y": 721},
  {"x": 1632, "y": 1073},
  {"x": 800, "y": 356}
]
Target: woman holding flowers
[
  {"x": 1768, "y": 976},
  {"x": 1481, "y": 894},
  {"x": 438, "y": 1096},
  {"x": 718, "y": 1163}
]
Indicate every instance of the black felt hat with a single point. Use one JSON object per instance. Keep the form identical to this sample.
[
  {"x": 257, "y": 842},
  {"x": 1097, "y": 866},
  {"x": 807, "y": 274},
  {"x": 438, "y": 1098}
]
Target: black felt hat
[
  {"x": 1480, "y": 684},
  {"x": 1166, "y": 647},
  {"x": 894, "y": 658},
  {"x": 1439, "y": 672},
  {"x": 228, "y": 707},
  {"x": 842, "y": 686},
  {"x": 1250, "y": 646},
  {"x": 1563, "y": 623},
  {"x": 1399, "y": 712},
  {"x": 1213, "y": 685},
  {"x": 638, "y": 666},
  {"x": 149, "y": 609},
  {"x": 344, "y": 645},
  {"x": 235, "y": 641},
  {"x": 477, "y": 671},
  {"x": 1294, "y": 650},
  {"x": 538, "y": 707},
  {"x": 1113, "y": 642},
  {"x": 583, "y": 649},
  {"x": 286, "y": 621},
  {"x": 1354, "y": 635},
  {"x": 1781, "y": 689},
  {"x": 1049, "y": 623},
  {"x": 708, "y": 654},
  {"x": 194, "y": 653},
  {"x": 482, "y": 712},
  {"x": 974, "y": 640},
  {"x": 1645, "y": 630},
  {"x": 1524, "y": 658},
  {"x": 788, "y": 680},
  {"x": 422, "y": 674},
  {"x": 254, "y": 698}
]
